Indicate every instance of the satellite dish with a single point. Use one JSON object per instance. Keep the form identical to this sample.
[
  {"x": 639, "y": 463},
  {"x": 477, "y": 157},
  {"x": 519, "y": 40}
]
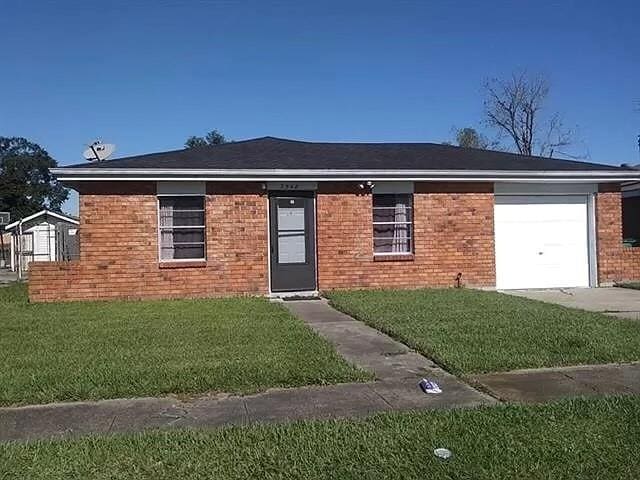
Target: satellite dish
[{"x": 99, "y": 151}]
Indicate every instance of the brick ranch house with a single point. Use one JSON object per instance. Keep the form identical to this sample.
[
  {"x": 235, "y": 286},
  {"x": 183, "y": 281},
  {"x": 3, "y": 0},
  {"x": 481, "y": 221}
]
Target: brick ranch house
[{"x": 269, "y": 215}]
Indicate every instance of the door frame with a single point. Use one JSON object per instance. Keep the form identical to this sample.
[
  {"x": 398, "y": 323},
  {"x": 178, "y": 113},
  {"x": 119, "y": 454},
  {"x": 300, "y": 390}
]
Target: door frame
[
  {"x": 310, "y": 193},
  {"x": 567, "y": 189}
]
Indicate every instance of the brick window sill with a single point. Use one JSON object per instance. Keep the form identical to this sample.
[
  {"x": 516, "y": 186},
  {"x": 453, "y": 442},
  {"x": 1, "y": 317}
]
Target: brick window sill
[
  {"x": 406, "y": 257},
  {"x": 194, "y": 264}
]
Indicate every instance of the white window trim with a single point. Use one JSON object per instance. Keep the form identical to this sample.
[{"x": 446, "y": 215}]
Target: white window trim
[
  {"x": 399, "y": 189},
  {"x": 394, "y": 254},
  {"x": 203, "y": 227}
]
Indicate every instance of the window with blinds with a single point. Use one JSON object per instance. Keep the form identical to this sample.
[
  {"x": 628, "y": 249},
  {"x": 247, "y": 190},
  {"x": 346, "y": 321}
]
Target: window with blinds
[
  {"x": 392, "y": 223},
  {"x": 181, "y": 227}
]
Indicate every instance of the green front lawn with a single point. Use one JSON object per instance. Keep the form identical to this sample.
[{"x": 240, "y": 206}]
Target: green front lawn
[
  {"x": 471, "y": 331},
  {"x": 576, "y": 439},
  {"x": 633, "y": 285},
  {"x": 84, "y": 350}
]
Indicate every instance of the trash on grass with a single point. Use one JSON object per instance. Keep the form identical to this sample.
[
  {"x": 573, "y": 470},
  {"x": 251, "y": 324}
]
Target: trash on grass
[
  {"x": 429, "y": 386},
  {"x": 443, "y": 453}
]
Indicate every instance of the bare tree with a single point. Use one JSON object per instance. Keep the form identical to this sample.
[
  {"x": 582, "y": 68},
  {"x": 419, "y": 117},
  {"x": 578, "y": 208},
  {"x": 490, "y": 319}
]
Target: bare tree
[{"x": 515, "y": 108}]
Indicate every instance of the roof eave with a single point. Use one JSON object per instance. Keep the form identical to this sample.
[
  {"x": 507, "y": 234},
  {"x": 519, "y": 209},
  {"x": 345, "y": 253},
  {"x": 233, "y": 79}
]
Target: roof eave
[
  {"x": 44, "y": 212},
  {"x": 138, "y": 174}
]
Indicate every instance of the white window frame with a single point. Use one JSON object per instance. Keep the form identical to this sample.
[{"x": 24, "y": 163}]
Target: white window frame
[
  {"x": 374, "y": 223},
  {"x": 187, "y": 227}
]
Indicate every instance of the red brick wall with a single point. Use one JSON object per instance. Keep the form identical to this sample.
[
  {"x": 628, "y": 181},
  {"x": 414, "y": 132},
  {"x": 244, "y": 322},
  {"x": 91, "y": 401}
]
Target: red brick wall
[
  {"x": 119, "y": 247},
  {"x": 615, "y": 262},
  {"x": 453, "y": 232}
]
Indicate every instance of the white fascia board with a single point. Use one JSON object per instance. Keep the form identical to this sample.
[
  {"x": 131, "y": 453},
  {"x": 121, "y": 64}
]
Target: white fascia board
[
  {"x": 105, "y": 174},
  {"x": 324, "y": 173},
  {"x": 63, "y": 217},
  {"x": 40, "y": 213},
  {"x": 348, "y": 179}
]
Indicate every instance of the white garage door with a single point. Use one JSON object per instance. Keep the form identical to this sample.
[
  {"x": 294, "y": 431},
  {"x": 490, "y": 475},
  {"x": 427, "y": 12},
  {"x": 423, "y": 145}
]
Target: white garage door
[{"x": 541, "y": 241}]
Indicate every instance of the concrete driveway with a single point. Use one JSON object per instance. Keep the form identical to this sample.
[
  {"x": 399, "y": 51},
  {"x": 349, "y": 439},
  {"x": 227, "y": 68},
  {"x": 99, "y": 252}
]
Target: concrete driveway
[
  {"x": 7, "y": 276},
  {"x": 619, "y": 302}
]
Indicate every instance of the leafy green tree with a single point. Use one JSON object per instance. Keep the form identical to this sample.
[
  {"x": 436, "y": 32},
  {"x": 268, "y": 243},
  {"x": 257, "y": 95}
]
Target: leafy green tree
[
  {"x": 26, "y": 184},
  {"x": 195, "y": 142},
  {"x": 214, "y": 137}
]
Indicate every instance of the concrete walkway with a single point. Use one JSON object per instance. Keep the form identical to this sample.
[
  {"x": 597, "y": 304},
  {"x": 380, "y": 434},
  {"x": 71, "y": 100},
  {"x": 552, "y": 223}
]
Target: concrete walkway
[
  {"x": 618, "y": 302},
  {"x": 397, "y": 369},
  {"x": 7, "y": 277},
  {"x": 547, "y": 384}
]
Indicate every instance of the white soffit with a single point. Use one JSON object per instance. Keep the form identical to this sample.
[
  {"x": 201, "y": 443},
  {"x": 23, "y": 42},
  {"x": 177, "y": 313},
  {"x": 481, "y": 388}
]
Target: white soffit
[{"x": 181, "y": 188}]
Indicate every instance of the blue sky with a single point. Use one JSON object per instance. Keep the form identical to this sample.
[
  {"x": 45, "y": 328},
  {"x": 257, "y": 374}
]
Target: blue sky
[{"x": 147, "y": 74}]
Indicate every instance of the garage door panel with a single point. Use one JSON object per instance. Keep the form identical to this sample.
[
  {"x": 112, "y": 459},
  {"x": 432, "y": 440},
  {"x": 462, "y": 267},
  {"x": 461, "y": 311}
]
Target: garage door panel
[{"x": 541, "y": 242}]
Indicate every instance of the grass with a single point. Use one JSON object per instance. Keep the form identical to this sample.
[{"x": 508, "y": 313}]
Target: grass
[
  {"x": 586, "y": 439},
  {"x": 633, "y": 285},
  {"x": 84, "y": 350},
  {"x": 470, "y": 331}
]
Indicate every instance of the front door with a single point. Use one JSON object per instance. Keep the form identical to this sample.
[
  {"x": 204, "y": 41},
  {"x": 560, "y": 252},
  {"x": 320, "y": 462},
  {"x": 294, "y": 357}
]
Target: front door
[{"x": 293, "y": 241}]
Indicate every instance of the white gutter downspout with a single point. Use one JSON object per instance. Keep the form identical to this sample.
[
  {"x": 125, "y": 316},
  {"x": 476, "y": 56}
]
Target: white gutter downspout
[{"x": 20, "y": 250}]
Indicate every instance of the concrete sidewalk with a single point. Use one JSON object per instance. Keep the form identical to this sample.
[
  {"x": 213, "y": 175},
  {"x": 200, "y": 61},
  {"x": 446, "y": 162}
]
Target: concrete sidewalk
[
  {"x": 397, "y": 368},
  {"x": 548, "y": 384},
  {"x": 365, "y": 346}
]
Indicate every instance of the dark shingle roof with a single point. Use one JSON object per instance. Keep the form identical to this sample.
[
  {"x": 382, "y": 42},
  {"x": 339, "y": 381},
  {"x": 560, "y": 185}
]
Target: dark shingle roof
[{"x": 277, "y": 153}]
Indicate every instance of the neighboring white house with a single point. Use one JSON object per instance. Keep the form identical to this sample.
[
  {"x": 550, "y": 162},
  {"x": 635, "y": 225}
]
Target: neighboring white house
[{"x": 40, "y": 237}]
